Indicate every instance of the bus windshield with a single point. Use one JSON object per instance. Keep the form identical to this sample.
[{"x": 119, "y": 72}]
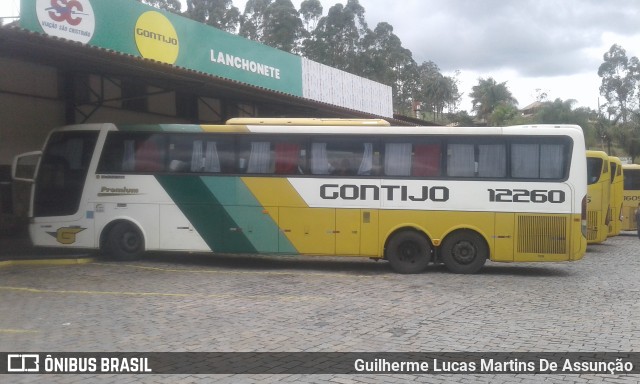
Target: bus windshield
[
  {"x": 594, "y": 170},
  {"x": 632, "y": 179},
  {"x": 62, "y": 173}
]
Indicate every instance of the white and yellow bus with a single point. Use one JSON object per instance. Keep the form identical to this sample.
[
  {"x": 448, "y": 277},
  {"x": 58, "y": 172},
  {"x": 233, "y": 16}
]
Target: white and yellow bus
[
  {"x": 410, "y": 195},
  {"x": 615, "y": 196},
  {"x": 598, "y": 200},
  {"x": 631, "y": 196}
]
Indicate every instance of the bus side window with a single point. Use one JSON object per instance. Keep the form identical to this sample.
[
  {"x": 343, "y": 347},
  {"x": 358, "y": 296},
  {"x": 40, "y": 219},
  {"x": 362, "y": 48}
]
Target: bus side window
[
  {"x": 205, "y": 157},
  {"x": 492, "y": 160},
  {"x": 179, "y": 156},
  {"x": 461, "y": 160},
  {"x": 149, "y": 156},
  {"x": 288, "y": 159},
  {"x": 347, "y": 157},
  {"x": 537, "y": 161},
  {"x": 255, "y": 157},
  {"x": 397, "y": 159},
  {"x": 426, "y": 160}
]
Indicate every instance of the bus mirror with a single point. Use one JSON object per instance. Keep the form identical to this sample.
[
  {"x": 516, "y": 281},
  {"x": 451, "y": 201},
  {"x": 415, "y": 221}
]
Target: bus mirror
[{"x": 24, "y": 166}]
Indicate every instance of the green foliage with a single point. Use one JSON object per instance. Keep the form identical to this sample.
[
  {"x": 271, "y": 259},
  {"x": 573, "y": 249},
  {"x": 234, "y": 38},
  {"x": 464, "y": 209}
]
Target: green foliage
[
  {"x": 283, "y": 28},
  {"x": 385, "y": 60},
  {"x": 311, "y": 12},
  {"x": 342, "y": 39},
  {"x": 619, "y": 121},
  {"x": 619, "y": 78},
  {"x": 217, "y": 13},
  {"x": 167, "y": 5},
  {"x": 502, "y": 114},
  {"x": 337, "y": 40},
  {"x": 435, "y": 91},
  {"x": 488, "y": 95}
]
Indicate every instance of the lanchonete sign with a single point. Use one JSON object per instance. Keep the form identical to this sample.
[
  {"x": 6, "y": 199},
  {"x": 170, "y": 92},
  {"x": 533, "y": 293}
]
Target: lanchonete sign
[{"x": 130, "y": 27}]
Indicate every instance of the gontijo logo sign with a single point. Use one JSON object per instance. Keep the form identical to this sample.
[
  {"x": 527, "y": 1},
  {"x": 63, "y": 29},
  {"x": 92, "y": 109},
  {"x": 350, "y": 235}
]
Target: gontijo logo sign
[
  {"x": 68, "y": 19},
  {"x": 156, "y": 38}
]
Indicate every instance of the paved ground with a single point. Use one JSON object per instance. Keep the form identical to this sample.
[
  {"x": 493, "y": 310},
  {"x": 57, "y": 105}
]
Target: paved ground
[{"x": 200, "y": 303}]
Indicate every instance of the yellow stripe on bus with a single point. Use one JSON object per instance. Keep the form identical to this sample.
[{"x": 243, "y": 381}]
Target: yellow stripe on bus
[{"x": 225, "y": 128}]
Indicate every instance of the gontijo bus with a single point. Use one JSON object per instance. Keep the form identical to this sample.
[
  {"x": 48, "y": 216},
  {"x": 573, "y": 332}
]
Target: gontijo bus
[
  {"x": 615, "y": 196},
  {"x": 598, "y": 199},
  {"x": 631, "y": 196},
  {"x": 410, "y": 195}
]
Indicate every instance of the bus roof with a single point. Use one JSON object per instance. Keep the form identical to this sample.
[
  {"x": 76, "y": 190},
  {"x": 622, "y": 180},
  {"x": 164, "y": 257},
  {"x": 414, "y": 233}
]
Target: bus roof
[
  {"x": 333, "y": 127},
  {"x": 307, "y": 122},
  {"x": 597, "y": 154}
]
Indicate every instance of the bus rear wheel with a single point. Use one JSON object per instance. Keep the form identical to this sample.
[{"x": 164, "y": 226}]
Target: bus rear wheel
[
  {"x": 124, "y": 242},
  {"x": 464, "y": 252},
  {"x": 408, "y": 252}
]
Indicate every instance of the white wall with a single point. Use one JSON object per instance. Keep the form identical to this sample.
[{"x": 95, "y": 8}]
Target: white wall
[{"x": 332, "y": 86}]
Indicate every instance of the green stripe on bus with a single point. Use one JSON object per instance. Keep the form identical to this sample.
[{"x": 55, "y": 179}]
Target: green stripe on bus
[
  {"x": 212, "y": 221},
  {"x": 226, "y": 214},
  {"x": 249, "y": 214}
]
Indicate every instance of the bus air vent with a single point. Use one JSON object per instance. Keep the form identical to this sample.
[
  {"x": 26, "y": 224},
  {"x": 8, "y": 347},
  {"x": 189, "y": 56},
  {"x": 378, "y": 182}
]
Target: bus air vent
[
  {"x": 542, "y": 234},
  {"x": 593, "y": 218}
]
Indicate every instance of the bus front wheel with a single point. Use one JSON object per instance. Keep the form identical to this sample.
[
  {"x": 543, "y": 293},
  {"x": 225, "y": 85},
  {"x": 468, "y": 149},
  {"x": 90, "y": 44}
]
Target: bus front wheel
[
  {"x": 464, "y": 252},
  {"x": 124, "y": 242},
  {"x": 408, "y": 252}
]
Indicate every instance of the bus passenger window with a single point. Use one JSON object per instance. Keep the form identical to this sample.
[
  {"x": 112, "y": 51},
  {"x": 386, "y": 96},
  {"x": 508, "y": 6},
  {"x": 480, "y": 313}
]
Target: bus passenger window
[
  {"x": 288, "y": 158},
  {"x": 148, "y": 156},
  {"x": 552, "y": 161},
  {"x": 204, "y": 157},
  {"x": 179, "y": 152},
  {"x": 124, "y": 152},
  {"x": 461, "y": 160},
  {"x": 347, "y": 157},
  {"x": 426, "y": 160},
  {"x": 537, "y": 161},
  {"x": 319, "y": 159},
  {"x": 492, "y": 160},
  {"x": 366, "y": 164},
  {"x": 259, "y": 157},
  {"x": 397, "y": 159}
]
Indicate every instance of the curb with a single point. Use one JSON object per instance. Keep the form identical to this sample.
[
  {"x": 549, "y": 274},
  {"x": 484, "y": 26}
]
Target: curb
[{"x": 21, "y": 263}]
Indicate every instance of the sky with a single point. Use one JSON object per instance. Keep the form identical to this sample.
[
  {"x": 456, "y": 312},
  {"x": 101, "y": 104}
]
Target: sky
[{"x": 550, "y": 46}]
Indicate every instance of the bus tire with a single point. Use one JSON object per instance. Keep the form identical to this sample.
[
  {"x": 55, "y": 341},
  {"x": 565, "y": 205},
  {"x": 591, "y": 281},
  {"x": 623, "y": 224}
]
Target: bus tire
[
  {"x": 464, "y": 252},
  {"x": 408, "y": 252},
  {"x": 124, "y": 242}
]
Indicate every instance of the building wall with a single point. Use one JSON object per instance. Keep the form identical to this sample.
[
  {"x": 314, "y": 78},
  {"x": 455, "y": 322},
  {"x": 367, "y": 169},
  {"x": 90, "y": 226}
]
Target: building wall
[
  {"x": 332, "y": 86},
  {"x": 29, "y": 107}
]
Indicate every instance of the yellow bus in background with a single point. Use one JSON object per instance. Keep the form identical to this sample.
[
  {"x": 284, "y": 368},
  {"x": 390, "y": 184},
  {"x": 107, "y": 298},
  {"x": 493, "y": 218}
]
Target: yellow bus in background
[
  {"x": 630, "y": 196},
  {"x": 598, "y": 200},
  {"x": 615, "y": 196}
]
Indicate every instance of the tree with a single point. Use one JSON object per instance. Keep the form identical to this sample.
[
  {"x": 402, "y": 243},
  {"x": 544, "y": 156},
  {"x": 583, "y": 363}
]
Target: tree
[
  {"x": 557, "y": 112},
  {"x": 337, "y": 40},
  {"x": 502, "y": 114},
  {"x": 436, "y": 91},
  {"x": 217, "y": 13},
  {"x": 487, "y": 95},
  {"x": 167, "y": 5},
  {"x": 283, "y": 28},
  {"x": 273, "y": 23},
  {"x": 252, "y": 25},
  {"x": 619, "y": 77},
  {"x": 385, "y": 60},
  {"x": 311, "y": 12}
]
